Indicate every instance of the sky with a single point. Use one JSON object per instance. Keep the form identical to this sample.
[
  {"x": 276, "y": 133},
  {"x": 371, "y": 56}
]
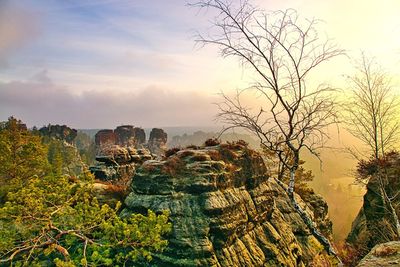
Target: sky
[{"x": 103, "y": 63}]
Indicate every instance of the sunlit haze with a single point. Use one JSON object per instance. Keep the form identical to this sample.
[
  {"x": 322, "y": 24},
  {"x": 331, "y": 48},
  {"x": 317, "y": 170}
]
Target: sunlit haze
[{"x": 95, "y": 64}]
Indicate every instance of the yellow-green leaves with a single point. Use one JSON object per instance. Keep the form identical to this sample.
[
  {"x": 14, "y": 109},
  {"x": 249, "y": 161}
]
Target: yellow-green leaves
[{"x": 46, "y": 219}]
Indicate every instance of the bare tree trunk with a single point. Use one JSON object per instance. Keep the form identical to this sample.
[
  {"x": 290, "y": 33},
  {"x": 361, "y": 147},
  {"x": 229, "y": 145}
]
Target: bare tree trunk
[
  {"x": 306, "y": 219},
  {"x": 395, "y": 217},
  {"x": 389, "y": 205},
  {"x": 387, "y": 202}
]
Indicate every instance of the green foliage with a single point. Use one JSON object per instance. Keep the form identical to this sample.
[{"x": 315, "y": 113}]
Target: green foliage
[
  {"x": 22, "y": 156},
  {"x": 86, "y": 148},
  {"x": 63, "y": 157},
  {"x": 50, "y": 220},
  {"x": 277, "y": 169}
]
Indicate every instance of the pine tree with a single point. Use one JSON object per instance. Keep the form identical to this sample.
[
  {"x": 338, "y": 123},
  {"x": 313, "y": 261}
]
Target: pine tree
[
  {"x": 47, "y": 219},
  {"x": 22, "y": 155}
]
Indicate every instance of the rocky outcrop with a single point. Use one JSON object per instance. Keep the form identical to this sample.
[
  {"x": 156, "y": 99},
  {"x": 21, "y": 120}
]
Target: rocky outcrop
[
  {"x": 119, "y": 150},
  {"x": 129, "y": 136},
  {"x": 124, "y": 136},
  {"x": 104, "y": 138},
  {"x": 60, "y": 132},
  {"x": 226, "y": 211},
  {"x": 386, "y": 254},
  {"x": 374, "y": 223},
  {"x": 158, "y": 141},
  {"x": 118, "y": 163}
]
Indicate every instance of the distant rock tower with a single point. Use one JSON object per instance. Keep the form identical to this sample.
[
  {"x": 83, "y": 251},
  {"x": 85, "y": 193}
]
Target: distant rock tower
[
  {"x": 119, "y": 150},
  {"x": 123, "y": 136},
  {"x": 158, "y": 141},
  {"x": 104, "y": 139}
]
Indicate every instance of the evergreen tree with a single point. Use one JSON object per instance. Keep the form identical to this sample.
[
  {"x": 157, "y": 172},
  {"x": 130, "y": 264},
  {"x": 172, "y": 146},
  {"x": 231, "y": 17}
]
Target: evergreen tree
[
  {"x": 47, "y": 219},
  {"x": 22, "y": 155}
]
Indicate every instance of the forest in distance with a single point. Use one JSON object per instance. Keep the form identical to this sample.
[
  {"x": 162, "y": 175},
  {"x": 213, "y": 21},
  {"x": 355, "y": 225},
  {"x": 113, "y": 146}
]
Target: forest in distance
[{"x": 298, "y": 164}]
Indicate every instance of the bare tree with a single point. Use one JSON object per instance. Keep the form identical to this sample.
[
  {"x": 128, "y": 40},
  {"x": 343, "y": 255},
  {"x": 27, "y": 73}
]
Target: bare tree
[
  {"x": 282, "y": 51},
  {"x": 371, "y": 116}
]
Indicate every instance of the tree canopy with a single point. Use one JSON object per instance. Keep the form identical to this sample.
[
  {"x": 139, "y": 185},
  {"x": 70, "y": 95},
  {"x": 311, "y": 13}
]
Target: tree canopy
[{"x": 49, "y": 219}]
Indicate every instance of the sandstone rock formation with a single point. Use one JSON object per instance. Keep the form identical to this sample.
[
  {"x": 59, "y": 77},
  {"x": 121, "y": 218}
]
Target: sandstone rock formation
[
  {"x": 226, "y": 211},
  {"x": 105, "y": 138},
  {"x": 386, "y": 254},
  {"x": 125, "y": 136},
  {"x": 129, "y": 136},
  {"x": 158, "y": 141},
  {"x": 118, "y": 163},
  {"x": 374, "y": 224},
  {"x": 119, "y": 150},
  {"x": 61, "y": 132}
]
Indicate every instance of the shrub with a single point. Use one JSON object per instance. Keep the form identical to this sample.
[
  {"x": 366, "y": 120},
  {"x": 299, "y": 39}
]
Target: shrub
[
  {"x": 174, "y": 165},
  {"x": 171, "y": 151},
  {"x": 212, "y": 142}
]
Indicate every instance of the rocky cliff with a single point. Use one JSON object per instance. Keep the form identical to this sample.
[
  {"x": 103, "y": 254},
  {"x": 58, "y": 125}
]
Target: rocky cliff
[
  {"x": 125, "y": 136},
  {"x": 374, "y": 223},
  {"x": 132, "y": 137},
  {"x": 119, "y": 151},
  {"x": 386, "y": 254},
  {"x": 226, "y": 210},
  {"x": 60, "y": 132},
  {"x": 157, "y": 141},
  {"x": 118, "y": 163}
]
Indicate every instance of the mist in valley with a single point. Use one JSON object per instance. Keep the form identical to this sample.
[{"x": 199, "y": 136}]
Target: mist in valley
[{"x": 199, "y": 133}]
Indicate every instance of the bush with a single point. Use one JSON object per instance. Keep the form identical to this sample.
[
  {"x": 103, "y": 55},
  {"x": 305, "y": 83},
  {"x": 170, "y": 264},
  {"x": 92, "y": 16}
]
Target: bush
[
  {"x": 171, "y": 151},
  {"x": 212, "y": 142}
]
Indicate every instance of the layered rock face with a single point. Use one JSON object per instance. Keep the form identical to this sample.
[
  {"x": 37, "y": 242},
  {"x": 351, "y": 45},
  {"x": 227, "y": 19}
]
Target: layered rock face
[
  {"x": 119, "y": 151},
  {"x": 374, "y": 223},
  {"x": 104, "y": 138},
  {"x": 61, "y": 132},
  {"x": 158, "y": 141},
  {"x": 129, "y": 136},
  {"x": 118, "y": 163},
  {"x": 226, "y": 211},
  {"x": 125, "y": 136},
  {"x": 383, "y": 255}
]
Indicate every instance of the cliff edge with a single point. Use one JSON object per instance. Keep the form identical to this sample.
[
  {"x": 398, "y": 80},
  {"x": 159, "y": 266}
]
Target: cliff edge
[{"x": 226, "y": 210}]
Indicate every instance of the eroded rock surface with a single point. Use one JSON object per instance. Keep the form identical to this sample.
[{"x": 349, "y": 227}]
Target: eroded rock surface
[
  {"x": 61, "y": 132},
  {"x": 374, "y": 224},
  {"x": 133, "y": 137},
  {"x": 119, "y": 150},
  {"x": 157, "y": 141},
  {"x": 104, "y": 138},
  {"x": 118, "y": 163},
  {"x": 386, "y": 254},
  {"x": 226, "y": 211}
]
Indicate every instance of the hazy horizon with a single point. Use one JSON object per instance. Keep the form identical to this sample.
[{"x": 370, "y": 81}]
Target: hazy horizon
[{"x": 97, "y": 64}]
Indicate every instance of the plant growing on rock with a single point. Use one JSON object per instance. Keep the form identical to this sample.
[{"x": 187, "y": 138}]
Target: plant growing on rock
[
  {"x": 281, "y": 51},
  {"x": 371, "y": 116},
  {"x": 212, "y": 142},
  {"x": 171, "y": 151}
]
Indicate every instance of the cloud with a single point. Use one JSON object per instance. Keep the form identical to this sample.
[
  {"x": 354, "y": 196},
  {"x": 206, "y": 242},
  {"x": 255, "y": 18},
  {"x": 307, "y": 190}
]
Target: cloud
[
  {"x": 17, "y": 26},
  {"x": 38, "y": 101}
]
